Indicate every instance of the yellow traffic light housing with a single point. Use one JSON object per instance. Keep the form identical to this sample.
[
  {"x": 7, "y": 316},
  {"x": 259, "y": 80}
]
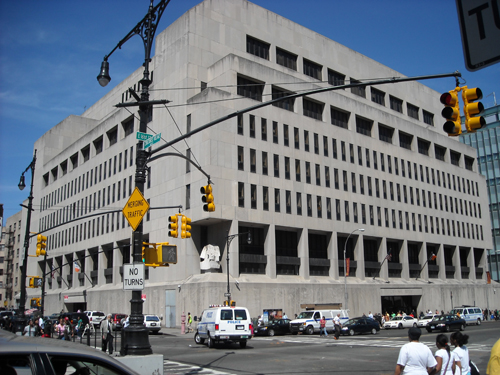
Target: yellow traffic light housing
[
  {"x": 35, "y": 281},
  {"x": 32, "y": 282},
  {"x": 35, "y": 302},
  {"x": 41, "y": 244},
  {"x": 159, "y": 254},
  {"x": 173, "y": 226},
  {"x": 207, "y": 198},
  {"x": 471, "y": 109},
  {"x": 451, "y": 112},
  {"x": 185, "y": 227}
]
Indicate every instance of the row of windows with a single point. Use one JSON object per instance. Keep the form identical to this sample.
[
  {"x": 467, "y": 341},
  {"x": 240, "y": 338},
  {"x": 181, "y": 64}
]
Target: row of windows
[
  {"x": 429, "y": 223},
  {"x": 312, "y": 69},
  {"x": 90, "y": 178}
]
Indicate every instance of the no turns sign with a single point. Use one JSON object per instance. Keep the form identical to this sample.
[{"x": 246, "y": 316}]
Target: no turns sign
[{"x": 133, "y": 276}]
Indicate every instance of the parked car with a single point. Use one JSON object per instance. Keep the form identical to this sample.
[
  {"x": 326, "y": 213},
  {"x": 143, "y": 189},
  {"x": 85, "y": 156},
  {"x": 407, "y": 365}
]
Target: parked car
[
  {"x": 116, "y": 318},
  {"x": 401, "y": 322},
  {"x": 426, "y": 319},
  {"x": 273, "y": 327},
  {"x": 33, "y": 355},
  {"x": 152, "y": 323},
  {"x": 471, "y": 314},
  {"x": 446, "y": 323},
  {"x": 95, "y": 317},
  {"x": 360, "y": 325}
]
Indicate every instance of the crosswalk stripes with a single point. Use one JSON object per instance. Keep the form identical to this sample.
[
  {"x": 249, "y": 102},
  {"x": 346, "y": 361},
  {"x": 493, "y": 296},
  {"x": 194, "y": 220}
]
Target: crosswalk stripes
[
  {"x": 358, "y": 341},
  {"x": 178, "y": 368}
]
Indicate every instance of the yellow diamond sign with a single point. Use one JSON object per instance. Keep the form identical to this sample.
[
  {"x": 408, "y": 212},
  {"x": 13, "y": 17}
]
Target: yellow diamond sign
[{"x": 135, "y": 209}]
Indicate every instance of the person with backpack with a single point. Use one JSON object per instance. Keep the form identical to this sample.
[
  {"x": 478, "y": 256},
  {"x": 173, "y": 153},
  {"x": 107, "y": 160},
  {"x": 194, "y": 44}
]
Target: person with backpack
[
  {"x": 444, "y": 357},
  {"x": 461, "y": 353}
]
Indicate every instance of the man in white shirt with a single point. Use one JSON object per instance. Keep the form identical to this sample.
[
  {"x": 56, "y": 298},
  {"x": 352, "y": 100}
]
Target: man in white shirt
[
  {"x": 107, "y": 328},
  {"x": 336, "y": 326},
  {"x": 415, "y": 358}
]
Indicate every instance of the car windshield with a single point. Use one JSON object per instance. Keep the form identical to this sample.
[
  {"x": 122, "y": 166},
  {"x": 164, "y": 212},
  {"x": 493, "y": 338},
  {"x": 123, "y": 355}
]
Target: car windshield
[
  {"x": 152, "y": 318},
  {"x": 443, "y": 317},
  {"x": 397, "y": 318},
  {"x": 351, "y": 322},
  {"x": 427, "y": 317},
  {"x": 305, "y": 315}
]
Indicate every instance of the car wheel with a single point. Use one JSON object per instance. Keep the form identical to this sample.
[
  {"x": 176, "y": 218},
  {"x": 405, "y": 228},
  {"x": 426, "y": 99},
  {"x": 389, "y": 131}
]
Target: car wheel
[
  {"x": 270, "y": 332},
  {"x": 415, "y": 325},
  {"x": 210, "y": 342},
  {"x": 400, "y": 326},
  {"x": 374, "y": 331},
  {"x": 351, "y": 332},
  {"x": 478, "y": 322},
  {"x": 462, "y": 327},
  {"x": 198, "y": 340},
  {"x": 447, "y": 328},
  {"x": 243, "y": 344},
  {"x": 309, "y": 330}
]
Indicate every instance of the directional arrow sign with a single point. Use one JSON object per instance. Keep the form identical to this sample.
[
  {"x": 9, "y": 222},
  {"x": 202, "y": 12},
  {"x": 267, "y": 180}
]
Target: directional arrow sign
[
  {"x": 143, "y": 136},
  {"x": 151, "y": 141}
]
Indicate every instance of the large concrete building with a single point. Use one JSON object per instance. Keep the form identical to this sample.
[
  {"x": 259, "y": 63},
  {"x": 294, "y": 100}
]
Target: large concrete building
[
  {"x": 303, "y": 176},
  {"x": 11, "y": 256}
]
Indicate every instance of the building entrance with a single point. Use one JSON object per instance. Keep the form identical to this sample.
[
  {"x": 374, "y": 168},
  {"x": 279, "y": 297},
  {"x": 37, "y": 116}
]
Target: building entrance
[{"x": 395, "y": 304}]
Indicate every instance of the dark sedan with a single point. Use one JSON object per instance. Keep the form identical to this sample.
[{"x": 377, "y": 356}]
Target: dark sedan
[
  {"x": 273, "y": 327},
  {"x": 446, "y": 323},
  {"x": 360, "y": 325}
]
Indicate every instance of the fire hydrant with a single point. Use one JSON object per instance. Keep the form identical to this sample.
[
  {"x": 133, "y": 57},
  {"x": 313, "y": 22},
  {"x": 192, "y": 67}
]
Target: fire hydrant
[{"x": 183, "y": 323}]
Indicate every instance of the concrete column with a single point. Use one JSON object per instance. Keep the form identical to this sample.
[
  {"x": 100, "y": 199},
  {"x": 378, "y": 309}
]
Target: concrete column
[
  {"x": 359, "y": 255},
  {"x": 441, "y": 263},
  {"x": 234, "y": 253},
  {"x": 384, "y": 270},
  {"x": 333, "y": 256},
  {"x": 303, "y": 253},
  {"x": 270, "y": 251},
  {"x": 422, "y": 259},
  {"x": 117, "y": 262},
  {"x": 456, "y": 263},
  {"x": 403, "y": 258},
  {"x": 471, "y": 264}
]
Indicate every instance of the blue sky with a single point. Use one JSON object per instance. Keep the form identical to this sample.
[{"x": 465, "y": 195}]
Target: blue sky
[{"x": 51, "y": 51}]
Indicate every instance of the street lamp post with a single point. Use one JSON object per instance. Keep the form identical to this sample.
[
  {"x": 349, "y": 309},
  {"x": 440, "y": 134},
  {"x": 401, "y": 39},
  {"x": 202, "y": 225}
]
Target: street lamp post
[
  {"x": 135, "y": 336},
  {"x": 229, "y": 238},
  {"x": 345, "y": 265},
  {"x": 24, "y": 267}
]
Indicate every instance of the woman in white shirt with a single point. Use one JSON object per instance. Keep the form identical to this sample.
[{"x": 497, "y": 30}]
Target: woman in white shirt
[
  {"x": 444, "y": 356},
  {"x": 461, "y": 353}
]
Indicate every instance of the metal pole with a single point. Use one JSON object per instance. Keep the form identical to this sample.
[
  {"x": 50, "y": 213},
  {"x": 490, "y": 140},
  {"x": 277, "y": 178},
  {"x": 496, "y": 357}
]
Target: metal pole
[
  {"x": 227, "y": 259},
  {"x": 42, "y": 305},
  {"x": 24, "y": 267}
]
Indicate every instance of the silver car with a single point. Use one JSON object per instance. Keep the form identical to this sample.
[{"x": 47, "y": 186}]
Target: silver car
[
  {"x": 426, "y": 319},
  {"x": 38, "y": 355},
  {"x": 401, "y": 322}
]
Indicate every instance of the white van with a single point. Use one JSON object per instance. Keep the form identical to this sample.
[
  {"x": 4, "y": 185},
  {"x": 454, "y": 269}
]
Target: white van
[
  {"x": 224, "y": 324},
  {"x": 471, "y": 314},
  {"x": 308, "y": 321}
]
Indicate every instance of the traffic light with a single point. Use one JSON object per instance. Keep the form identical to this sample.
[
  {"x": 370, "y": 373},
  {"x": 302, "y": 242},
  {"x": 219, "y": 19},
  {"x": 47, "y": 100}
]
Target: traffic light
[
  {"x": 32, "y": 282},
  {"x": 159, "y": 254},
  {"x": 35, "y": 281},
  {"x": 471, "y": 109},
  {"x": 185, "y": 227},
  {"x": 41, "y": 244},
  {"x": 451, "y": 112},
  {"x": 35, "y": 302},
  {"x": 173, "y": 226},
  {"x": 207, "y": 198}
]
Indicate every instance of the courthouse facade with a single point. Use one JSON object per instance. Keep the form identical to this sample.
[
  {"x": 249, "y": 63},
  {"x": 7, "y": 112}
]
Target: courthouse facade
[{"x": 302, "y": 176}]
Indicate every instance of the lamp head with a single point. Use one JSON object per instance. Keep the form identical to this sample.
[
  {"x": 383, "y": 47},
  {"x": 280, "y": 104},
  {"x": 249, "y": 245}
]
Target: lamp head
[
  {"x": 361, "y": 229},
  {"x": 103, "y": 76},
  {"x": 249, "y": 238},
  {"x": 21, "y": 185}
]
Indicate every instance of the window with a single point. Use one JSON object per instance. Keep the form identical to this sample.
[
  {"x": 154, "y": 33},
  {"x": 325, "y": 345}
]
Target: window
[
  {"x": 257, "y": 47},
  {"x": 364, "y": 126},
  {"x": 306, "y": 140},
  {"x": 297, "y": 170},
  {"x": 325, "y": 146},
  {"x": 265, "y": 198},
  {"x": 275, "y": 132},
  {"x": 286, "y": 135},
  {"x": 252, "y": 126},
  {"x": 250, "y": 88},
  {"x": 128, "y": 126},
  {"x": 263, "y": 129},
  {"x": 309, "y": 205},
  {"x": 264, "y": 163},
  {"x": 469, "y": 163},
  {"x": 277, "y": 205},
  {"x": 313, "y": 109},
  {"x": 423, "y": 146},
  {"x": 64, "y": 167},
  {"x": 327, "y": 176},
  {"x": 98, "y": 145},
  {"x": 455, "y": 158},
  {"x": 339, "y": 118},
  {"x": 253, "y": 196},
  {"x": 241, "y": 194},
  {"x": 288, "y": 201},
  {"x": 318, "y": 175},
  {"x": 276, "y": 166},
  {"x": 286, "y": 59},
  {"x": 74, "y": 160},
  {"x": 113, "y": 136},
  {"x": 439, "y": 152},
  {"x": 308, "y": 172},
  {"x": 335, "y": 78},
  {"x": 240, "y": 158},
  {"x": 253, "y": 161},
  {"x": 316, "y": 144},
  {"x": 378, "y": 96},
  {"x": 385, "y": 133},
  {"x": 396, "y": 104},
  {"x": 299, "y": 203},
  {"x": 240, "y": 124},
  {"x": 428, "y": 117},
  {"x": 358, "y": 90},
  {"x": 296, "y": 138},
  {"x": 287, "y": 167},
  {"x": 412, "y": 110},
  {"x": 287, "y": 104},
  {"x": 312, "y": 69},
  {"x": 405, "y": 140}
]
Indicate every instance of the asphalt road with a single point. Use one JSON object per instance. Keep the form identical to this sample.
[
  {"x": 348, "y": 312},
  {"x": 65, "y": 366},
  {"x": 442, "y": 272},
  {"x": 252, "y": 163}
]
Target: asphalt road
[{"x": 301, "y": 354}]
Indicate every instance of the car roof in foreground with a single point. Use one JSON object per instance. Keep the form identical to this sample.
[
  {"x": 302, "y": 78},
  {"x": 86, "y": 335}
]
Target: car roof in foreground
[{"x": 15, "y": 344}]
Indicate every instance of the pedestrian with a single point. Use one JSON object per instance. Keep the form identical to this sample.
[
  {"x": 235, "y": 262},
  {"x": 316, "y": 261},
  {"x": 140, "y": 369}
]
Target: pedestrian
[
  {"x": 60, "y": 329},
  {"x": 284, "y": 316},
  {"x": 322, "y": 327},
  {"x": 30, "y": 329},
  {"x": 444, "y": 356},
  {"x": 370, "y": 315},
  {"x": 415, "y": 358},
  {"x": 460, "y": 353},
  {"x": 126, "y": 322},
  {"x": 494, "y": 362},
  {"x": 107, "y": 329},
  {"x": 260, "y": 321},
  {"x": 68, "y": 330},
  {"x": 190, "y": 322},
  {"x": 336, "y": 326},
  {"x": 79, "y": 327}
]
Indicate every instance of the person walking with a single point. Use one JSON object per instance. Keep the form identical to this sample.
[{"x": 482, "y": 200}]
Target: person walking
[
  {"x": 60, "y": 329},
  {"x": 68, "y": 330},
  {"x": 415, "y": 358},
  {"x": 336, "y": 326},
  {"x": 444, "y": 357},
  {"x": 190, "y": 322},
  {"x": 322, "y": 327},
  {"x": 460, "y": 353},
  {"x": 107, "y": 329},
  {"x": 30, "y": 329}
]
